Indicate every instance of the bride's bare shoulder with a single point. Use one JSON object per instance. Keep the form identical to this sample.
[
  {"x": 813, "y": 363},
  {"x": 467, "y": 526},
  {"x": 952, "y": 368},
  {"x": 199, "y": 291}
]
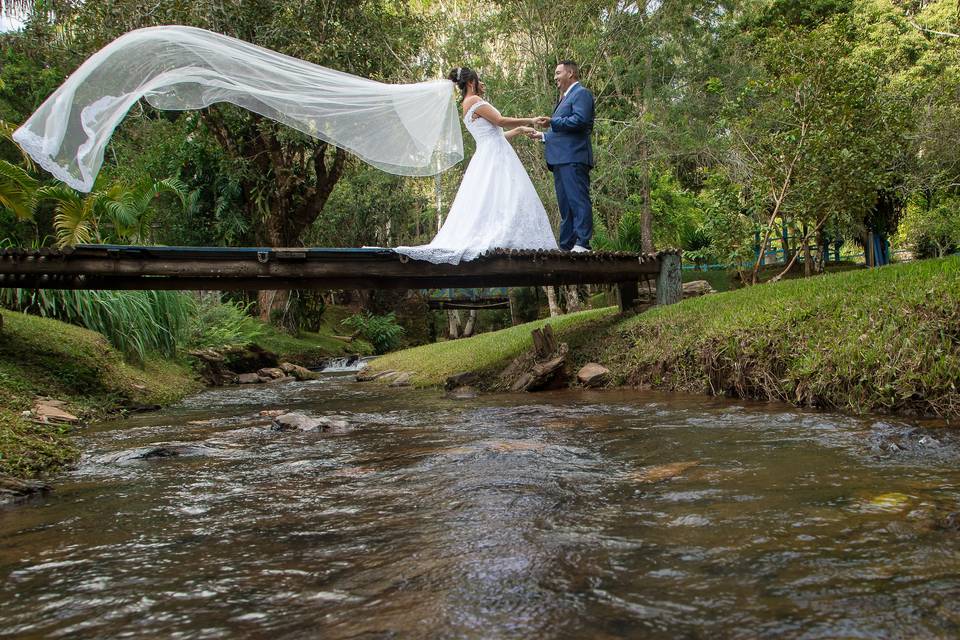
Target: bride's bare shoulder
[{"x": 469, "y": 102}]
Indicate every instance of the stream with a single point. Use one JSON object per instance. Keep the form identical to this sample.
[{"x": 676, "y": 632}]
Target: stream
[{"x": 587, "y": 514}]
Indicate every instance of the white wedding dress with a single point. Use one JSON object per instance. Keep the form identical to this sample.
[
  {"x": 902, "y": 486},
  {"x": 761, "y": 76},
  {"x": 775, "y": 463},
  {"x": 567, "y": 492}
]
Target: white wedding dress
[{"x": 496, "y": 207}]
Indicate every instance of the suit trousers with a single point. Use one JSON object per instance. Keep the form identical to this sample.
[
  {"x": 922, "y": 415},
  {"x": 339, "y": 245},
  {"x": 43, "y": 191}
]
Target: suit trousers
[{"x": 572, "y": 182}]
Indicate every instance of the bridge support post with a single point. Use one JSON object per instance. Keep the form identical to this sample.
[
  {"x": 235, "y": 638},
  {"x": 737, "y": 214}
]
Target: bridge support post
[
  {"x": 626, "y": 295},
  {"x": 669, "y": 280}
]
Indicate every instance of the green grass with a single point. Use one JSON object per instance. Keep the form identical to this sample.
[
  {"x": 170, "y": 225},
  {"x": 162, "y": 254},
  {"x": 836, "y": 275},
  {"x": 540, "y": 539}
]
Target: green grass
[
  {"x": 431, "y": 364},
  {"x": 138, "y": 323},
  {"x": 859, "y": 341},
  {"x": 308, "y": 348},
  {"x": 43, "y": 357},
  {"x": 874, "y": 340}
]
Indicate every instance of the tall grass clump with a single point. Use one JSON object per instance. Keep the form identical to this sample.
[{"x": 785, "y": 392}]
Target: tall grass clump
[{"x": 136, "y": 323}]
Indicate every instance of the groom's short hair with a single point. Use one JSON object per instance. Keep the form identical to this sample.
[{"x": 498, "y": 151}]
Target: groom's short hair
[{"x": 572, "y": 67}]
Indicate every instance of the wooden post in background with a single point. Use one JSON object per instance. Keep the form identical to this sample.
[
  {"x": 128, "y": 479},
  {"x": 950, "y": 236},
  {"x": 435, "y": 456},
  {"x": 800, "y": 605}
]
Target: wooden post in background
[{"x": 626, "y": 295}]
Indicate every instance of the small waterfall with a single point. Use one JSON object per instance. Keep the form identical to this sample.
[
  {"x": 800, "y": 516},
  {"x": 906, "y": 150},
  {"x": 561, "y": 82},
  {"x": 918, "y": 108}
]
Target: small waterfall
[{"x": 346, "y": 364}]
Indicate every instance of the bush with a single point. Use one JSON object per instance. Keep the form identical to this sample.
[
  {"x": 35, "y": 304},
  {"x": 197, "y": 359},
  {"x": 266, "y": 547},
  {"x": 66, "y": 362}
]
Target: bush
[
  {"x": 218, "y": 324},
  {"x": 382, "y": 332},
  {"x": 932, "y": 231}
]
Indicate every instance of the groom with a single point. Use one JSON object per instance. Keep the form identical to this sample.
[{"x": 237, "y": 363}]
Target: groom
[{"x": 569, "y": 155}]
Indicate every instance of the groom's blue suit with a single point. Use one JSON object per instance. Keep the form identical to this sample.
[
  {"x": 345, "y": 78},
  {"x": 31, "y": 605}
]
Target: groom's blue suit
[{"x": 569, "y": 156}]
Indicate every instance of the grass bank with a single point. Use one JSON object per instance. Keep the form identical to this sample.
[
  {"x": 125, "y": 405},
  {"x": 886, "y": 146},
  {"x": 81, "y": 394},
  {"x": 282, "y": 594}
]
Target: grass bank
[
  {"x": 42, "y": 357},
  {"x": 881, "y": 340},
  {"x": 311, "y": 349},
  {"x": 878, "y": 340},
  {"x": 486, "y": 353}
]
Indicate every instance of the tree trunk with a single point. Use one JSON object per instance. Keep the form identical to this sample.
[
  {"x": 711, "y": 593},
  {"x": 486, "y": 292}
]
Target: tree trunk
[
  {"x": 294, "y": 181},
  {"x": 471, "y": 323},
  {"x": 453, "y": 324},
  {"x": 273, "y": 305},
  {"x": 646, "y": 216},
  {"x": 573, "y": 299},
  {"x": 552, "y": 302}
]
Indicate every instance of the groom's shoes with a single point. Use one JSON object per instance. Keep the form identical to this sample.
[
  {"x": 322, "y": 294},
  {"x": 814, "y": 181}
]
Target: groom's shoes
[{"x": 579, "y": 249}]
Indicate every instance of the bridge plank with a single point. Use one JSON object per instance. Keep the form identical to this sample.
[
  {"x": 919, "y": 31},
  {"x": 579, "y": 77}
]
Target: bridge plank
[{"x": 214, "y": 268}]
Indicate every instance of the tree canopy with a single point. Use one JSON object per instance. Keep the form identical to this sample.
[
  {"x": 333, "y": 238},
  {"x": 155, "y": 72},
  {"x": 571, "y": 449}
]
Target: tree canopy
[{"x": 720, "y": 123}]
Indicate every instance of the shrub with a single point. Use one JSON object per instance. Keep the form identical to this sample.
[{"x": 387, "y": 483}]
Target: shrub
[
  {"x": 218, "y": 324},
  {"x": 382, "y": 332}
]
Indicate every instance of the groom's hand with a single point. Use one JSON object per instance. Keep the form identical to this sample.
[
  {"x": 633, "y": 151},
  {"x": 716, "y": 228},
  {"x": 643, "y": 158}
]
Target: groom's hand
[{"x": 542, "y": 121}]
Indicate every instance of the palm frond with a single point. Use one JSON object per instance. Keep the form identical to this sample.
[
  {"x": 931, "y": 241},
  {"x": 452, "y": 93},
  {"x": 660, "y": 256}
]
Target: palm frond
[
  {"x": 74, "y": 217},
  {"x": 6, "y": 133},
  {"x": 18, "y": 190}
]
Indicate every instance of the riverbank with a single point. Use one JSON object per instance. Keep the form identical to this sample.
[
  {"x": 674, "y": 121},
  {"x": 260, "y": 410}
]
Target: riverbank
[
  {"x": 89, "y": 379},
  {"x": 40, "y": 357},
  {"x": 869, "y": 341}
]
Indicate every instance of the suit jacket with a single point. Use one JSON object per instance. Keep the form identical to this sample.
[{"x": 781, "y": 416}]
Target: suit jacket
[{"x": 568, "y": 139}]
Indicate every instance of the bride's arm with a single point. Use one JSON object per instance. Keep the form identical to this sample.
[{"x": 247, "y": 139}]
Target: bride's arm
[
  {"x": 513, "y": 133},
  {"x": 489, "y": 113}
]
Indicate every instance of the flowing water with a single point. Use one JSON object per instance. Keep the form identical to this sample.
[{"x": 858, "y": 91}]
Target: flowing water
[{"x": 527, "y": 516}]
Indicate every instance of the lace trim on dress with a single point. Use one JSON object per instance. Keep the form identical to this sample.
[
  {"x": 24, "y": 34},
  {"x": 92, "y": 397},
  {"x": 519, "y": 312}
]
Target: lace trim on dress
[{"x": 466, "y": 116}]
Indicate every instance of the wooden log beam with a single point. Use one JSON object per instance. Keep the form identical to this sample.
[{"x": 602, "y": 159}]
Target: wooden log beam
[{"x": 200, "y": 268}]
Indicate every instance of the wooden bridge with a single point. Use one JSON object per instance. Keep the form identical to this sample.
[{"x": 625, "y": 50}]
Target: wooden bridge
[{"x": 254, "y": 268}]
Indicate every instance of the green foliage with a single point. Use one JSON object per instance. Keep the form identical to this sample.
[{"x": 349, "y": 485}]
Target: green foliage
[
  {"x": 137, "y": 323},
  {"x": 725, "y": 235},
  {"x": 676, "y": 213},
  {"x": 381, "y": 331},
  {"x": 217, "y": 324},
  {"x": 371, "y": 208},
  {"x": 118, "y": 214},
  {"x": 18, "y": 191},
  {"x": 932, "y": 231},
  {"x": 627, "y": 237}
]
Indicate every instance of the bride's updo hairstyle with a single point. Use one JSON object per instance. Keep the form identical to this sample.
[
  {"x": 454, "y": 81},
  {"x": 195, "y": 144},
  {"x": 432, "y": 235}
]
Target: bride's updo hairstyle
[{"x": 463, "y": 76}]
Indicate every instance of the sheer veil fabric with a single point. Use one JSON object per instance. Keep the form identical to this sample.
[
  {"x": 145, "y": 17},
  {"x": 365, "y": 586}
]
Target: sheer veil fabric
[{"x": 405, "y": 129}]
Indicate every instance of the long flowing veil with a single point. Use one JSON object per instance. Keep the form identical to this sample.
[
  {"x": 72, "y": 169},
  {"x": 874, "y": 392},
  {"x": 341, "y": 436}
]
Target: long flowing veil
[{"x": 406, "y": 129}]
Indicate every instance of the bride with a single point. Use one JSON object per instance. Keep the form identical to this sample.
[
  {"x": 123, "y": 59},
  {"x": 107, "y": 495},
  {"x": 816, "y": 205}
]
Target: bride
[{"x": 497, "y": 205}]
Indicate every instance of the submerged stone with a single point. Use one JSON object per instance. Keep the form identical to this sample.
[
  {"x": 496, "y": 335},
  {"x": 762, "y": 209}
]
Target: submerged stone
[
  {"x": 15, "y": 490},
  {"x": 301, "y": 422},
  {"x": 657, "y": 473},
  {"x": 248, "y": 378}
]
